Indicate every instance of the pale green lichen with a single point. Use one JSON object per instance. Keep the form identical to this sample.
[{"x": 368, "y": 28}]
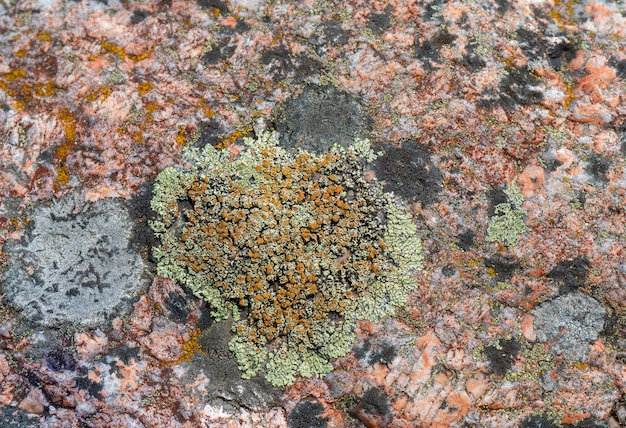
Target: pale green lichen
[
  {"x": 295, "y": 247},
  {"x": 507, "y": 223}
]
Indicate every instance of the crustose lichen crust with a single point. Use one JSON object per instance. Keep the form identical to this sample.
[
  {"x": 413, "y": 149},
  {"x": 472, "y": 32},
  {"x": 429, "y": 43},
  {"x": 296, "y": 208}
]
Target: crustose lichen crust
[{"x": 294, "y": 246}]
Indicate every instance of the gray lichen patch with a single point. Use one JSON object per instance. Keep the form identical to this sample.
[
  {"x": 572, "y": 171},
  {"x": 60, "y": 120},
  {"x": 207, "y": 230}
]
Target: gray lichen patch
[
  {"x": 74, "y": 264},
  {"x": 571, "y": 322}
]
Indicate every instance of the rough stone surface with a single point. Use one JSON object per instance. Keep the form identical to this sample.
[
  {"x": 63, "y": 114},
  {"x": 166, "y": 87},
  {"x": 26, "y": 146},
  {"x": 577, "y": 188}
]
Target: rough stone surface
[
  {"x": 74, "y": 263},
  {"x": 104, "y": 95},
  {"x": 16, "y": 418}
]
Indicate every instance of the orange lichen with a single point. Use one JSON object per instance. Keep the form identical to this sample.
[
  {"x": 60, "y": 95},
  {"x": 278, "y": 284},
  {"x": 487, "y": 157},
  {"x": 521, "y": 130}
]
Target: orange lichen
[
  {"x": 230, "y": 139},
  {"x": 141, "y": 57},
  {"x": 62, "y": 178},
  {"x": 14, "y": 74},
  {"x": 69, "y": 123},
  {"x": 208, "y": 112},
  {"x": 274, "y": 235},
  {"x": 102, "y": 92},
  {"x": 144, "y": 87},
  {"x": 45, "y": 89},
  {"x": 44, "y": 36},
  {"x": 114, "y": 49},
  {"x": 63, "y": 151},
  {"x": 150, "y": 109},
  {"x": 190, "y": 348},
  {"x": 181, "y": 137},
  {"x": 137, "y": 137}
]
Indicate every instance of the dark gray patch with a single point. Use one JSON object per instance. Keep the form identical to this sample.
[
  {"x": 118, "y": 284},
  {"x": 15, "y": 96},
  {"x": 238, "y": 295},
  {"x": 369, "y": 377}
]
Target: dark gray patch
[
  {"x": 60, "y": 358},
  {"x": 619, "y": 66},
  {"x": 518, "y": 88},
  {"x": 560, "y": 54},
  {"x": 211, "y": 132},
  {"x": 503, "y": 6},
  {"x": 551, "y": 164},
  {"x": 502, "y": 266},
  {"x": 433, "y": 10},
  {"x": 471, "y": 59},
  {"x": 375, "y": 402},
  {"x": 501, "y": 357},
  {"x": 530, "y": 42},
  {"x": 85, "y": 384},
  {"x": 319, "y": 118},
  {"x": 142, "y": 237},
  {"x": 557, "y": 52},
  {"x": 220, "y": 52},
  {"x": 330, "y": 32},
  {"x": 598, "y": 167},
  {"x": 177, "y": 306},
  {"x": 214, "y": 6},
  {"x": 587, "y": 423},
  {"x": 429, "y": 50},
  {"x": 306, "y": 414},
  {"x": 383, "y": 352},
  {"x": 280, "y": 56},
  {"x": 466, "y": 239},
  {"x": 13, "y": 417},
  {"x": 448, "y": 271},
  {"x": 496, "y": 197},
  {"x": 226, "y": 388},
  {"x": 283, "y": 64},
  {"x": 138, "y": 16},
  {"x": 379, "y": 22},
  {"x": 409, "y": 172},
  {"x": 426, "y": 51},
  {"x": 442, "y": 38},
  {"x": 125, "y": 353},
  {"x": 538, "y": 421},
  {"x": 206, "y": 319},
  {"x": 570, "y": 274}
]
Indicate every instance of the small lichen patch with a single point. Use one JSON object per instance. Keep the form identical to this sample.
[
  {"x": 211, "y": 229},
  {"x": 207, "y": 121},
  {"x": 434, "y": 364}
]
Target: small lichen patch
[
  {"x": 507, "y": 223},
  {"x": 294, "y": 246}
]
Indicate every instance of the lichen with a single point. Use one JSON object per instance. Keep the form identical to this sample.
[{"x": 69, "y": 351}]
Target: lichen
[
  {"x": 507, "y": 223},
  {"x": 294, "y": 246}
]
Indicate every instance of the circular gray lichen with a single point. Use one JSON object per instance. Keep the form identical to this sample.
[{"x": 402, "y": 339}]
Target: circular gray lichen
[
  {"x": 572, "y": 322},
  {"x": 74, "y": 264}
]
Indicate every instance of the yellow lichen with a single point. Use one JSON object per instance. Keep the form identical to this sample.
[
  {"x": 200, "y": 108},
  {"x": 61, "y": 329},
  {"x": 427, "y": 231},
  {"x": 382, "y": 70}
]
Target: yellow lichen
[
  {"x": 144, "y": 87},
  {"x": 190, "y": 348}
]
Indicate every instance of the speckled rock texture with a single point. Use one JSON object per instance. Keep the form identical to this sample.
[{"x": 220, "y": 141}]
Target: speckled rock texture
[{"x": 500, "y": 127}]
